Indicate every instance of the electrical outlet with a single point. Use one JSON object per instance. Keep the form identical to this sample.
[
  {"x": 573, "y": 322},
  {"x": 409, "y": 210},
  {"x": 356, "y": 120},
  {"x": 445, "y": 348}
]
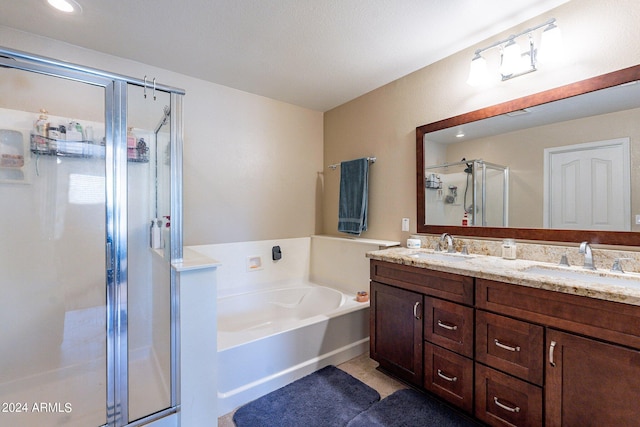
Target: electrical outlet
[
  {"x": 405, "y": 224},
  {"x": 637, "y": 219}
]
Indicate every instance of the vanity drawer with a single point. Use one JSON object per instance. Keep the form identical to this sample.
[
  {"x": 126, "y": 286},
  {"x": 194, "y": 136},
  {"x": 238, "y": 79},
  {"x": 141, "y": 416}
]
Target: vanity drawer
[
  {"x": 502, "y": 400},
  {"x": 609, "y": 321},
  {"x": 449, "y": 375},
  {"x": 449, "y": 325},
  {"x": 512, "y": 346},
  {"x": 452, "y": 287}
]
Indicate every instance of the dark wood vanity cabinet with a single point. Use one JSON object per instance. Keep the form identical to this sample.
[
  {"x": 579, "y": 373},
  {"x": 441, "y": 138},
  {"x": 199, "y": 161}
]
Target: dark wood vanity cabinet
[
  {"x": 590, "y": 357},
  {"x": 431, "y": 313},
  {"x": 513, "y": 355}
]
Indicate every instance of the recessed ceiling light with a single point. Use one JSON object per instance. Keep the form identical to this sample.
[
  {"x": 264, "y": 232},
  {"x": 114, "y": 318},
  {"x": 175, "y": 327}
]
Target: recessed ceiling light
[{"x": 66, "y": 6}]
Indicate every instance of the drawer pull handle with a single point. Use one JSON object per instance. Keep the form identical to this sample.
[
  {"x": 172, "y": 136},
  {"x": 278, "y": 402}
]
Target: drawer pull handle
[
  {"x": 447, "y": 326},
  {"x": 552, "y": 347},
  {"x": 505, "y": 407},
  {"x": 506, "y": 347},
  {"x": 447, "y": 378},
  {"x": 415, "y": 310}
]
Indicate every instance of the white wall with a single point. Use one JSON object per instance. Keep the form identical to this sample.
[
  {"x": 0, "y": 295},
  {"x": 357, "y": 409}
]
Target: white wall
[{"x": 250, "y": 163}]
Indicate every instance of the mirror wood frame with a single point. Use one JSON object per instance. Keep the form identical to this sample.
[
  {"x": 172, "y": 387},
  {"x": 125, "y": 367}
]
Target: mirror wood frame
[{"x": 624, "y": 238}]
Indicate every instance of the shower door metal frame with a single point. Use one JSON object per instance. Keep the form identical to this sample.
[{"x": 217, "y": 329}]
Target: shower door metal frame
[
  {"x": 483, "y": 190},
  {"x": 115, "y": 86}
]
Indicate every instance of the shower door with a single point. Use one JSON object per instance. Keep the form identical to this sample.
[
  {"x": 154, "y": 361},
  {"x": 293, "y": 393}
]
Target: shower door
[
  {"x": 148, "y": 260},
  {"x": 53, "y": 356},
  {"x": 89, "y": 299}
]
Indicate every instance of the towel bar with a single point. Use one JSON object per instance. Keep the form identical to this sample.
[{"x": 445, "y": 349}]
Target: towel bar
[{"x": 335, "y": 165}]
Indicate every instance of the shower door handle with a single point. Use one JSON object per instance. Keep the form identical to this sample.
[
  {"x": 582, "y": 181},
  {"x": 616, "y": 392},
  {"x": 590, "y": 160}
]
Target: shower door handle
[{"x": 109, "y": 257}]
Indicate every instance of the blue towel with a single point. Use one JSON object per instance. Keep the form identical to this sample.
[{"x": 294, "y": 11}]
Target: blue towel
[{"x": 354, "y": 197}]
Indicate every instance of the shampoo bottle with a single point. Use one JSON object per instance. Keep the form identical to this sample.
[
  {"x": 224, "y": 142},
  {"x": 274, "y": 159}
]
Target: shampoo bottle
[
  {"x": 156, "y": 236},
  {"x": 131, "y": 144},
  {"x": 41, "y": 125}
]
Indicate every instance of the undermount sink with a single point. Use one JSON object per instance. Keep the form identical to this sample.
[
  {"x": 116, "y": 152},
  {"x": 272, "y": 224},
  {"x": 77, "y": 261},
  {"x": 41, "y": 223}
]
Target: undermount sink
[
  {"x": 441, "y": 256},
  {"x": 588, "y": 276}
]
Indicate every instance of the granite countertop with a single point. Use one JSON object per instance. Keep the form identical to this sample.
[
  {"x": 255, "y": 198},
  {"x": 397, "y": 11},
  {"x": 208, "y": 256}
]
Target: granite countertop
[{"x": 600, "y": 284}]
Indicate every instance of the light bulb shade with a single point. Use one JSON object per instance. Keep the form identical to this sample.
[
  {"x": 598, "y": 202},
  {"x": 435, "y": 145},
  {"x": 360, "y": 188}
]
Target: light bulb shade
[
  {"x": 478, "y": 73},
  {"x": 511, "y": 58},
  {"x": 551, "y": 45},
  {"x": 66, "y": 6}
]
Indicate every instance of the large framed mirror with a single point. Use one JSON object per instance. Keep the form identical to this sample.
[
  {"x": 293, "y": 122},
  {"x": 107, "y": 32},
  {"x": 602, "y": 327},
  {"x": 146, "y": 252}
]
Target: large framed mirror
[{"x": 572, "y": 161}]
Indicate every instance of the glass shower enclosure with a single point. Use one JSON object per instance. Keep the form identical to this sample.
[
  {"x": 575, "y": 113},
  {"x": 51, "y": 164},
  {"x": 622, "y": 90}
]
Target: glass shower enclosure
[
  {"x": 90, "y": 222},
  {"x": 467, "y": 193}
]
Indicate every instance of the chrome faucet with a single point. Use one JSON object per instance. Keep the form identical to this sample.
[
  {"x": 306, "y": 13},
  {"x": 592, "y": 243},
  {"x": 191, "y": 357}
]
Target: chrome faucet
[
  {"x": 585, "y": 248},
  {"x": 449, "y": 239}
]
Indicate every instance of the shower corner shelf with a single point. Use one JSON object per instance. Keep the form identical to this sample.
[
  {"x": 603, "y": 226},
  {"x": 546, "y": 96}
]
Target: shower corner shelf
[{"x": 42, "y": 145}]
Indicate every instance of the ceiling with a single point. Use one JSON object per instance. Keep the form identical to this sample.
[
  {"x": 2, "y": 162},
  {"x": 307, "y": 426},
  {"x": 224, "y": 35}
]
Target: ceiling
[{"x": 316, "y": 54}]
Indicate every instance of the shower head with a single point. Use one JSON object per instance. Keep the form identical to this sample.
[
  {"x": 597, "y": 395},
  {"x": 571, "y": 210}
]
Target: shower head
[{"x": 469, "y": 168}]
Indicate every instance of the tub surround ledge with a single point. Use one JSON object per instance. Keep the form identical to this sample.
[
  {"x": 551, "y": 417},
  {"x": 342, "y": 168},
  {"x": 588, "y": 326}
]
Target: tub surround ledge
[
  {"x": 194, "y": 260},
  {"x": 516, "y": 272}
]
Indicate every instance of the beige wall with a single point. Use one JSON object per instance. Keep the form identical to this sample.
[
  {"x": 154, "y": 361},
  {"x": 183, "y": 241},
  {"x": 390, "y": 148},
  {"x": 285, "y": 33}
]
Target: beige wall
[
  {"x": 250, "y": 163},
  {"x": 600, "y": 36},
  {"x": 523, "y": 152}
]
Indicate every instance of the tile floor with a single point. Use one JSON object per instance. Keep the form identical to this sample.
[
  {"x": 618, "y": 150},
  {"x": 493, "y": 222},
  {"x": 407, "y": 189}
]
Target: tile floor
[{"x": 362, "y": 368}]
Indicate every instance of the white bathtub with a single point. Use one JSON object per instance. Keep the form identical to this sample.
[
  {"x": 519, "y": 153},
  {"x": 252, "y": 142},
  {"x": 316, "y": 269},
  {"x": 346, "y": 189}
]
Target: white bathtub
[{"x": 269, "y": 338}]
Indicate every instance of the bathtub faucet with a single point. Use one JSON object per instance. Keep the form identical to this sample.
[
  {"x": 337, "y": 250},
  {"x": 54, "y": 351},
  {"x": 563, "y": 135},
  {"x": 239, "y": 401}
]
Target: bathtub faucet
[{"x": 449, "y": 239}]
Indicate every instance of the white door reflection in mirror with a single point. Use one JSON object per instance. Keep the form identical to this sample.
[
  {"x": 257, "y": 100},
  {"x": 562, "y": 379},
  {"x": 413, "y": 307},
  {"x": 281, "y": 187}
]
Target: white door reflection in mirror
[{"x": 587, "y": 186}]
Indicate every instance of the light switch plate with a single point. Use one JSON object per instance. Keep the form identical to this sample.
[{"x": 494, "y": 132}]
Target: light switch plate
[{"x": 405, "y": 224}]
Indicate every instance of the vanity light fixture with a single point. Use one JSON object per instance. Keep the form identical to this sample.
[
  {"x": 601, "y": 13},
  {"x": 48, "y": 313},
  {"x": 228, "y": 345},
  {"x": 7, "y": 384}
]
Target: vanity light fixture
[
  {"x": 66, "y": 6},
  {"x": 514, "y": 60}
]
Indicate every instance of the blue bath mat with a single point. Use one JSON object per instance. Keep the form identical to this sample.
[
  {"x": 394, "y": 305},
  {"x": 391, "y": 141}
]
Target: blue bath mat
[
  {"x": 328, "y": 397},
  {"x": 409, "y": 408}
]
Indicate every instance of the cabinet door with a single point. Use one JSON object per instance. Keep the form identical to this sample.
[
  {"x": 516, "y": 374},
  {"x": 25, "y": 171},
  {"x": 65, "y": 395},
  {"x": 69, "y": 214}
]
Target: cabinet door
[
  {"x": 590, "y": 383},
  {"x": 396, "y": 331}
]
